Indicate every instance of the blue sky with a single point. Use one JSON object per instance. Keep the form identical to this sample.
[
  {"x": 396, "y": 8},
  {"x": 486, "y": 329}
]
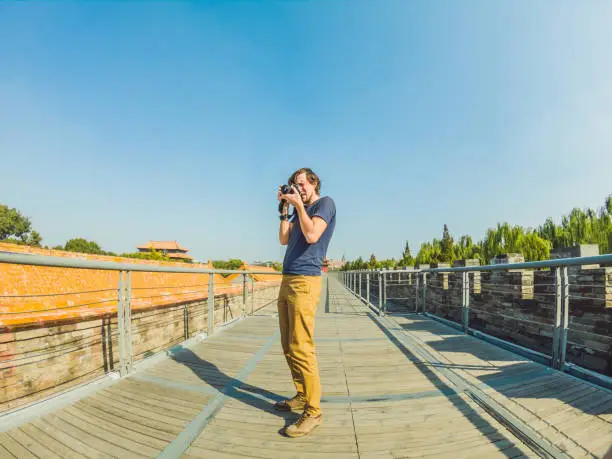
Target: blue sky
[{"x": 124, "y": 122}]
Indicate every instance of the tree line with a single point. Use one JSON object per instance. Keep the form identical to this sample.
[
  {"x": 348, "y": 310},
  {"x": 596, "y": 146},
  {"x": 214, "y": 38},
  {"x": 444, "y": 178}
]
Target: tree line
[{"x": 587, "y": 226}]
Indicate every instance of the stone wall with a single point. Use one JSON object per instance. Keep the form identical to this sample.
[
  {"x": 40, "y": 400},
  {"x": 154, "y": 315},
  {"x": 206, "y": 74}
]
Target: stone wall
[
  {"x": 519, "y": 306},
  {"x": 39, "y": 360}
]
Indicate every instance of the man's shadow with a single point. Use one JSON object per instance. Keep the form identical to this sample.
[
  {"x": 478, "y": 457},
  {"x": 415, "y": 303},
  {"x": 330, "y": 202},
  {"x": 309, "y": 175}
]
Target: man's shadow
[{"x": 209, "y": 373}]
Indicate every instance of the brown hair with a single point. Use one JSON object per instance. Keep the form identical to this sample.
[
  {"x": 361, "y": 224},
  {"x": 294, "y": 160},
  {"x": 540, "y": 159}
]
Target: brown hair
[{"x": 310, "y": 176}]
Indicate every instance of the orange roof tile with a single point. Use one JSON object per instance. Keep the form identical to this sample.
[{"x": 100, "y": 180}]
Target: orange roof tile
[
  {"x": 179, "y": 255},
  {"x": 273, "y": 276},
  {"x": 162, "y": 245}
]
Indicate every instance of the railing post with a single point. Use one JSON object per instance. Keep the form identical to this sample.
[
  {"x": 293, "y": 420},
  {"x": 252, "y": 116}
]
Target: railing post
[
  {"x": 185, "y": 323},
  {"x": 245, "y": 294},
  {"x": 416, "y": 293},
  {"x": 424, "y": 292},
  {"x": 360, "y": 294},
  {"x": 380, "y": 294},
  {"x": 465, "y": 310},
  {"x": 564, "y": 317},
  {"x": 253, "y": 297},
  {"x": 384, "y": 280},
  {"x": 211, "y": 304},
  {"x": 368, "y": 287},
  {"x": 124, "y": 323},
  {"x": 558, "y": 315}
]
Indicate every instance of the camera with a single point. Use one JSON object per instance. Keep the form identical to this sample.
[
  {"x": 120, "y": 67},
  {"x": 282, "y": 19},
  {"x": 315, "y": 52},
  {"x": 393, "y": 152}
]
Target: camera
[{"x": 285, "y": 189}]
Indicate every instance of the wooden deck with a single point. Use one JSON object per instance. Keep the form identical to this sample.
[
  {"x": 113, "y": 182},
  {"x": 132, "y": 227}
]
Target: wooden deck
[{"x": 400, "y": 386}]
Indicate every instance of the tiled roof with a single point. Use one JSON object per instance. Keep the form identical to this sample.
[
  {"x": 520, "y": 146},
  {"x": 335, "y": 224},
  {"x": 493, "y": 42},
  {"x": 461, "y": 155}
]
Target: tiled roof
[
  {"x": 162, "y": 245},
  {"x": 182, "y": 256},
  {"x": 273, "y": 276}
]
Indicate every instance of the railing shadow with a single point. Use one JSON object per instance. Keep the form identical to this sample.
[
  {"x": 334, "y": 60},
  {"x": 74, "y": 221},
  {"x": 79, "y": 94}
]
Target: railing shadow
[
  {"x": 248, "y": 394},
  {"x": 510, "y": 379},
  {"x": 484, "y": 426}
]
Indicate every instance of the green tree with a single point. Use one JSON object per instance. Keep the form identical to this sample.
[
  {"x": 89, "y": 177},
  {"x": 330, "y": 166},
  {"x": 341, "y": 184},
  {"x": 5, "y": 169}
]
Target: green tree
[
  {"x": 447, "y": 253},
  {"x": 232, "y": 263},
  {"x": 152, "y": 255},
  {"x": 430, "y": 252},
  {"x": 389, "y": 263},
  {"x": 82, "y": 245},
  {"x": 16, "y": 228},
  {"x": 407, "y": 259},
  {"x": 466, "y": 249},
  {"x": 581, "y": 227},
  {"x": 372, "y": 263},
  {"x": 359, "y": 264}
]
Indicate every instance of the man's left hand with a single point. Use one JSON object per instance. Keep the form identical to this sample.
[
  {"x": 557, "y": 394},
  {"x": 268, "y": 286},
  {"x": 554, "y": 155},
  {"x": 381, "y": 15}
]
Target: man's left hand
[{"x": 293, "y": 198}]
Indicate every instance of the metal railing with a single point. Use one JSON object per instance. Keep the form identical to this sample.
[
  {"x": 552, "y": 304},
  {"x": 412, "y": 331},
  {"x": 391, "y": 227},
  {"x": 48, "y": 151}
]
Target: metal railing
[
  {"x": 546, "y": 297},
  {"x": 187, "y": 307}
]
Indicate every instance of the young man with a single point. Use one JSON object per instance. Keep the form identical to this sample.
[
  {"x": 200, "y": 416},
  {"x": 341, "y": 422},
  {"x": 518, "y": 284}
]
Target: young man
[{"x": 307, "y": 237}]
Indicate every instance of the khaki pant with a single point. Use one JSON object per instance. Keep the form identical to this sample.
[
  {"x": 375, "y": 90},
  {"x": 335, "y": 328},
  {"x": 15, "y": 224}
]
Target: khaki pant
[{"x": 297, "y": 305}]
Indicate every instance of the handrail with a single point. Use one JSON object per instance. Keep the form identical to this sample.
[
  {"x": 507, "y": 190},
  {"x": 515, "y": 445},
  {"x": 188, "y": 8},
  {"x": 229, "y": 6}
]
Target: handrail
[
  {"x": 557, "y": 292},
  {"x": 595, "y": 260},
  {"x": 61, "y": 262}
]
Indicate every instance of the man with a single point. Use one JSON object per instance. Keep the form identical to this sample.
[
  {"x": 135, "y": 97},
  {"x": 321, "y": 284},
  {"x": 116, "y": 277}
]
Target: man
[{"x": 307, "y": 237}]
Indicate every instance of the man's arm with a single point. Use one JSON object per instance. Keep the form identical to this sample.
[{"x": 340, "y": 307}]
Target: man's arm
[
  {"x": 285, "y": 226},
  {"x": 312, "y": 228},
  {"x": 283, "y": 233}
]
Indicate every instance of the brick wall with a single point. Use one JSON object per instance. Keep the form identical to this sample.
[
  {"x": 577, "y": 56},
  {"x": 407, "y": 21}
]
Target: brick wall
[
  {"x": 518, "y": 306},
  {"x": 52, "y": 342}
]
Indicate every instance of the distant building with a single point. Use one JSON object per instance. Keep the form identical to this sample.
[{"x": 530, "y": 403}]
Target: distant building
[
  {"x": 333, "y": 264},
  {"x": 171, "y": 249}
]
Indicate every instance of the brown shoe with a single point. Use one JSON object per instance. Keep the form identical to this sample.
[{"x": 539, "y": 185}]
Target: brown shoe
[
  {"x": 297, "y": 403},
  {"x": 303, "y": 426}
]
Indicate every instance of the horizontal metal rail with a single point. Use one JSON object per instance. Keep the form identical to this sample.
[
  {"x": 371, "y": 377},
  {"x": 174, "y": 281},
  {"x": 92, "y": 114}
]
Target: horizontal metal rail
[
  {"x": 61, "y": 262},
  {"x": 595, "y": 260}
]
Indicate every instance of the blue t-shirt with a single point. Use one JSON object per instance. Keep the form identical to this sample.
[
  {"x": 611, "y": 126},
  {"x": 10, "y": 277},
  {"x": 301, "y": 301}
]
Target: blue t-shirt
[{"x": 304, "y": 258}]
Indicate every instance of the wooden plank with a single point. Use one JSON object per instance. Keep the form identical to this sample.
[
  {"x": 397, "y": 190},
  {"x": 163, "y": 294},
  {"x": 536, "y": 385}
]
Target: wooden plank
[
  {"x": 152, "y": 402},
  {"x": 134, "y": 425},
  {"x": 146, "y": 412},
  {"x": 68, "y": 439},
  {"x": 15, "y": 448},
  {"x": 51, "y": 443},
  {"x": 31, "y": 444},
  {"x": 5, "y": 452},
  {"x": 119, "y": 412},
  {"x": 74, "y": 429},
  {"x": 150, "y": 442},
  {"x": 157, "y": 391},
  {"x": 210, "y": 449},
  {"x": 215, "y": 454}
]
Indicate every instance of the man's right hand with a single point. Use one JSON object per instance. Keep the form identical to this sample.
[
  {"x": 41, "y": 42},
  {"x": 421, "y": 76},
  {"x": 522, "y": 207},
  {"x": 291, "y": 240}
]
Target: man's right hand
[{"x": 285, "y": 208}]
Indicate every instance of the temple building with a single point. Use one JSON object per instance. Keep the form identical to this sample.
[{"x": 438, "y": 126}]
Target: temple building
[{"x": 171, "y": 249}]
